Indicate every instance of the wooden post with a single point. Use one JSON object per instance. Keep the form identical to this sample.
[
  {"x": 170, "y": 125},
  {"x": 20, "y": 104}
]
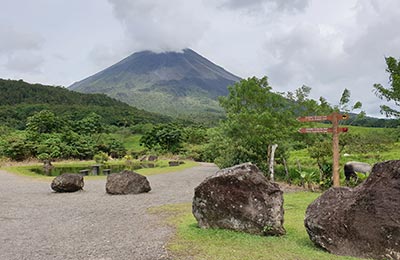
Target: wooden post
[
  {"x": 335, "y": 130},
  {"x": 335, "y": 150},
  {"x": 271, "y": 162}
]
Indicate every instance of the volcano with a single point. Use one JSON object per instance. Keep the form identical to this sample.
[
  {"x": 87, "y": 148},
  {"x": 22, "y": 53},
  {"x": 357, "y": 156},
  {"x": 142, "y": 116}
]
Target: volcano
[{"x": 179, "y": 84}]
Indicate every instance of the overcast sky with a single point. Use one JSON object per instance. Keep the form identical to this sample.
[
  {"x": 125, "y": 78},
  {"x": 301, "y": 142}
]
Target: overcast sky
[{"x": 326, "y": 45}]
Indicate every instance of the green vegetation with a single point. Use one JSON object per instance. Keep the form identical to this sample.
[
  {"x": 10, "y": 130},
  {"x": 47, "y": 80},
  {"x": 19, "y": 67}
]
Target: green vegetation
[
  {"x": 391, "y": 93},
  {"x": 20, "y": 100},
  {"x": 256, "y": 119},
  {"x": 49, "y": 137},
  {"x": 191, "y": 242},
  {"x": 163, "y": 138}
]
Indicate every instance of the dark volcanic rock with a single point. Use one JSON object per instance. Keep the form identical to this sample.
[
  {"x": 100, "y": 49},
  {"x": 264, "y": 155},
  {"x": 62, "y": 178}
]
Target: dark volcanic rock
[
  {"x": 67, "y": 182},
  {"x": 242, "y": 199},
  {"x": 127, "y": 182},
  {"x": 361, "y": 222},
  {"x": 173, "y": 163}
]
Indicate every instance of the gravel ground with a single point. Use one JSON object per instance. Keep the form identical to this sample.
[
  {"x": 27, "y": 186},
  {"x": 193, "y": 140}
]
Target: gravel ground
[{"x": 36, "y": 223}]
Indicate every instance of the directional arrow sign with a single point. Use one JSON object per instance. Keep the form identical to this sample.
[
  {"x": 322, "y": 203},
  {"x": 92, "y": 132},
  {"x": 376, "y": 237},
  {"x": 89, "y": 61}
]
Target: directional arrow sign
[
  {"x": 323, "y": 118},
  {"x": 312, "y": 118},
  {"x": 321, "y": 130},
  {"x": 315, "y": 130}
]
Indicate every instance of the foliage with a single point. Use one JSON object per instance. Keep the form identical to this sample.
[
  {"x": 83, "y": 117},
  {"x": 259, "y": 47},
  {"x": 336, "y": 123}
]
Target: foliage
[
  {"x": 255, "y": 118},
  {"x": 44, "y": 121},
  {"x": 48, "y": 136},
  {"x": 20, "y": 100},
  {"x": 90, "y": 125},
  {"x": 165, "y": 138},
  {"x": 358, "y": 180},
  {"x": 308, "y": 178},
  {"x": 100, "y": 157},
  {"x": 16, "y": 146},
  {"x": 391, "y": 93},
  {"x": 116, "y": 148},
  {"x": 195, "y": 134}
]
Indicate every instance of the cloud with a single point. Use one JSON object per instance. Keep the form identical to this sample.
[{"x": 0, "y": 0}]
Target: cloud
[
  {"x": 270, "y": 5},
  {"x": 15, "y": 40},
  {"x": 19, "y": 51},
  {"x": 305, "y": 53},
  {"x": 104, "y": 56},
  {"x": 329, "y": 55},
  {"x": 24, "y": 62},
  {"x": 161, "y": 25}
]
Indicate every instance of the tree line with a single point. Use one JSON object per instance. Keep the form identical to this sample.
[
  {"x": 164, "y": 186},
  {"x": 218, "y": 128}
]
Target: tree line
[{"x": 20, "y": 100}]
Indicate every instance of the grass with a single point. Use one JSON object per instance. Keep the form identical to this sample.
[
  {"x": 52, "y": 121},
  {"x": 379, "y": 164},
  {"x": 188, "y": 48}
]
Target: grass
[
  {"x": 191, "y": 242},
  {"x": 161, "y": 168},
  {"x": 164, "y": 168}
]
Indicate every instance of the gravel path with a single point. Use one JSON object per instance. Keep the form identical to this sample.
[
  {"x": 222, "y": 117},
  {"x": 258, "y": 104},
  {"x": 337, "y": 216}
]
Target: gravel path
[{"x": 36, "y": 223}]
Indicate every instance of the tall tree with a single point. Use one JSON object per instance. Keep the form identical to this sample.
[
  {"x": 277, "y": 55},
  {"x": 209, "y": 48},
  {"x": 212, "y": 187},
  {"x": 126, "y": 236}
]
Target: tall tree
[
  {"x": 391, "y": 93},
  {"x": 256, "y": 118}
]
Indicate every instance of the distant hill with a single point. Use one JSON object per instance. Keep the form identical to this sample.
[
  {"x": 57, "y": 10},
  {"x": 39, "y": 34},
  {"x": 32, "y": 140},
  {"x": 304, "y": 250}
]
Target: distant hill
[
  {"x": 171, "y": 83},
  {"x": 19, "y": 100}
]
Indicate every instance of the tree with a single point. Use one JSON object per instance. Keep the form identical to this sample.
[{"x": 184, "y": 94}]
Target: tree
[
  {"x": 392, "y": 93},
  {"x": 166, "y": 138},
  {"x": 90, "y": 125},
  {"x": 44, "y": 121},
  {"x": 256, "y": 118}
]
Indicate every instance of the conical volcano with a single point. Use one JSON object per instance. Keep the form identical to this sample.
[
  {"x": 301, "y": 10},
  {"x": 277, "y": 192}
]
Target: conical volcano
[{"x": 172, "y": 83}]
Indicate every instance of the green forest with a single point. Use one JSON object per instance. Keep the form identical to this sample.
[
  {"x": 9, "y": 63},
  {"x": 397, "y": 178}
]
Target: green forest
[{"x": 20, "y": 100}]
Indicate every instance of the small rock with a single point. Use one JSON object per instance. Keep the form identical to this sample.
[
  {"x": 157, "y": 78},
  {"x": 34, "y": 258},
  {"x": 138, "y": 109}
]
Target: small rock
[
  {"x": 67, "y": 182},
  {"x": 152, "y": 158},
  {"x": 173, "y": 163}
]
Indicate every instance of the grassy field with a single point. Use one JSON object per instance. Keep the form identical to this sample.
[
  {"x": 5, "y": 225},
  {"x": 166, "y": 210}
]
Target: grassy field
[{"x": 191, "y": 242}]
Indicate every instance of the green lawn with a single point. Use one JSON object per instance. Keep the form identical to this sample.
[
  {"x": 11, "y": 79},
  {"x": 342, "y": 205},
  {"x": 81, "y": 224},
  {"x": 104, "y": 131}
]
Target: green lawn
[{"x": 191, "y": 242}]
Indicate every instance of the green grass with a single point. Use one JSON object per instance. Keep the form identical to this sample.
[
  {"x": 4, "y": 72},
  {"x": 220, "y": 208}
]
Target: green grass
[
  {"x": 164, "y": 168},
  {"x": 161, "y": 168},
  {"x": 191, "y": 242}
]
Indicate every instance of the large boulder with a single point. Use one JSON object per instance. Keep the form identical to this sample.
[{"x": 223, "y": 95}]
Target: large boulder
[
  {"x": 67, "y": 182},
  {"x": 361, "y": 222},
  {"x": 127, "y": 182},
  {"x": 242, "y": 199}
]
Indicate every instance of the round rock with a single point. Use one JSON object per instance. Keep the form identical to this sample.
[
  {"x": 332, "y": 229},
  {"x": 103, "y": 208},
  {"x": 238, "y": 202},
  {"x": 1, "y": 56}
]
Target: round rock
[
  {"x": 67, "y": 182},
  {"x": 127, "y": 182}
]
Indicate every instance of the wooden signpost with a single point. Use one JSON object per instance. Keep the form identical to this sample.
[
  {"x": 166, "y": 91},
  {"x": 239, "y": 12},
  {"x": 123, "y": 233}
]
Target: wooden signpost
[{"x": 335, "y": 130}]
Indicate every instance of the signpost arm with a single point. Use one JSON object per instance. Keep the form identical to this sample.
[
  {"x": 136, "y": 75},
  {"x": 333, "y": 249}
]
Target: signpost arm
[{"x": 335, "y": 145}]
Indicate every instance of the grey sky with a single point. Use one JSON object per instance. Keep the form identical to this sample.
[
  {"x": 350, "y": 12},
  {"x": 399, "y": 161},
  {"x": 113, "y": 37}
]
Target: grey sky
[{"x": 327, "y": 45}]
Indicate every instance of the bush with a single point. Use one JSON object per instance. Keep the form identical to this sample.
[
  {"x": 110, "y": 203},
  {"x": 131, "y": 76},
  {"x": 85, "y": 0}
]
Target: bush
[
  {"x": 100, "y": 157},
  {"x": 16, "y": 147}
]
